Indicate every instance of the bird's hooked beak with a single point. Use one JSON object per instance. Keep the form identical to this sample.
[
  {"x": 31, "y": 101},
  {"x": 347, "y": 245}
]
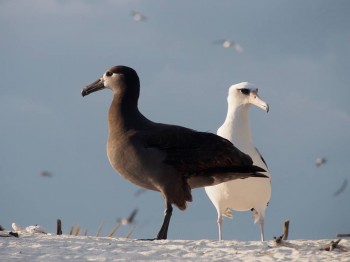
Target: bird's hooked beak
[
  {"x": 256, "y": 100},
  {"x": 95, "y": 86}
]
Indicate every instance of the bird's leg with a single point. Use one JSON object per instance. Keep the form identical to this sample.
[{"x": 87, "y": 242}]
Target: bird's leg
[
  {"x": 163, "y": 232},
  {"x": 220, "y": 226},
  {"x": 262, "y": 230}
]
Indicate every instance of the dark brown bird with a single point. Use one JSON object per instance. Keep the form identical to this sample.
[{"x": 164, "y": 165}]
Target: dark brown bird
[
  {"x": 45, "y": 174},
  {"x": 166, "y": 158}
]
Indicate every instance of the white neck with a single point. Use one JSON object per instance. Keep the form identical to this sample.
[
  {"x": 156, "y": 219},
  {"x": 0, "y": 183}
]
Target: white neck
[{"x": 237, "y": 125}]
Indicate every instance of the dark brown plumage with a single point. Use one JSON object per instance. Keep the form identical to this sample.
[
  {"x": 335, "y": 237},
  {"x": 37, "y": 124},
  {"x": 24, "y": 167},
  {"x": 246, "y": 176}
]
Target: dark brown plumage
[{"x": 166, "y": 158}]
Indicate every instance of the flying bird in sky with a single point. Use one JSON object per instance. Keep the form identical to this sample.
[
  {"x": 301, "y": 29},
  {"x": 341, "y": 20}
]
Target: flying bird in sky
[
  {"x": 320, "y": 161},
  {"x": 130, "y": 219},
  {"x": 138, "y": 17},
  {"x": 342, "y": 188},
  {"x": 45, "y": 174},
  {"x": 229, "y": 44}
]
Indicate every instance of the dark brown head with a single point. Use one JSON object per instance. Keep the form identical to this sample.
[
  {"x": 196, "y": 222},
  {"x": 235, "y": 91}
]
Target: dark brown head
[{"x": 122, "y": 80}]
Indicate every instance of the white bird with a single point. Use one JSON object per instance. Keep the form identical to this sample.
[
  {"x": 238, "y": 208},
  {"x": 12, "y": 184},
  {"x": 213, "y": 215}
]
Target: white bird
[
  {"x": 228, "y": 43},
  {"x": 18, "y": 228},
  {"x": 250, "y": 193},
  {"x": 137, "y": 16},
  {"x": 36, "y": 229},
  {"x": 320, "y": 161},
  {"x": 29, "y": 229}
]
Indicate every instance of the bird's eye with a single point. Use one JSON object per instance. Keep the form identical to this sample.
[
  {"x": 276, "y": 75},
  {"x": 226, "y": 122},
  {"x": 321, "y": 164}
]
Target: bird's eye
[
  {"x": 245, "y": 91},
  {"x": 109, "y": 73}
]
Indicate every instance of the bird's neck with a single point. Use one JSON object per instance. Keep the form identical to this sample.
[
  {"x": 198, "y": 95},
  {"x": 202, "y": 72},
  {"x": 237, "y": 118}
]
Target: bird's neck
[
  {"x": 238, "y": 126},
  {"x": 124, "y": 115}
]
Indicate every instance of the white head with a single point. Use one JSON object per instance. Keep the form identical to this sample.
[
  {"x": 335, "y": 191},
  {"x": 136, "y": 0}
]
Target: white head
[{"x": 245, "y": 94}]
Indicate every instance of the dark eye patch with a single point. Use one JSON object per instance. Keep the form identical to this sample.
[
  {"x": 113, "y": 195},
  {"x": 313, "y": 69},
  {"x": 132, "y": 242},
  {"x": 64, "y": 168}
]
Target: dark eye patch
[
  {"x": 245, "y": 91},
  {"x": 109, "y": 73}
]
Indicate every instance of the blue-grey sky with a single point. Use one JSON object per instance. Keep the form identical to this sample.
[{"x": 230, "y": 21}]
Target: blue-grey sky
[{"x": 296, "y": 52}]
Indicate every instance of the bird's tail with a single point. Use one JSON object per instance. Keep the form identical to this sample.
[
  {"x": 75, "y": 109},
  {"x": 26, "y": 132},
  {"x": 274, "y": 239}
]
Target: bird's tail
[
  {"x": 221, "y": 175},
  {"x": 250, "y": 171}
]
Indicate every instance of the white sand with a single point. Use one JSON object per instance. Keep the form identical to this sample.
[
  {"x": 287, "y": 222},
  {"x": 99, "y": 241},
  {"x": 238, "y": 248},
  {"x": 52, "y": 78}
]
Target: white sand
[{"x": 40, "y": 247}]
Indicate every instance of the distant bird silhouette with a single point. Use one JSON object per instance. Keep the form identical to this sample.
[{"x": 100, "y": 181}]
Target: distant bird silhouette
[
  {"x": 229, "y": 44},
  {"x": 45, "y": 174},
  {"x": 341, "y": 189},
  {"x": 138, "y": 17},
  {"x": 130, "y": 219},
  {"x": 320, "y": 161}
]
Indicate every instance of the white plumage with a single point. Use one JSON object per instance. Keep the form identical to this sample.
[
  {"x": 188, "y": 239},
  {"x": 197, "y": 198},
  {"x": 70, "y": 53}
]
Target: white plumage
[
  {"x": 29, "y": 229},
  {"x": 229, "y": 44},
  {"x": 242, "y": 194}
]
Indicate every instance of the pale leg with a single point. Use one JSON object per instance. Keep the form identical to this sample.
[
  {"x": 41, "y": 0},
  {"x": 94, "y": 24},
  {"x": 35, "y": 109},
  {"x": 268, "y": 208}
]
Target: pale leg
[
  {"x": 262, "y": 230},
  {"x": 220, "y": 226}
]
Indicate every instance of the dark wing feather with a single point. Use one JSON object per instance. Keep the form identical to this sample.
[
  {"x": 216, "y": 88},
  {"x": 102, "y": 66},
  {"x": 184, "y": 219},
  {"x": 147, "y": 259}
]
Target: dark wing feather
[
  {"x": 261, "y": 157},
  {"x": 192, "y": 152},
  {"x": 342, "y": 188},
  {"x": 132, "y": 216}
]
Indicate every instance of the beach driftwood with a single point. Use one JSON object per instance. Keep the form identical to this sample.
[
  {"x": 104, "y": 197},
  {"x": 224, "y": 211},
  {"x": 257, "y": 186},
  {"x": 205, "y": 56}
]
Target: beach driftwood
[
  {"x": 285, "y": 230},
  {"x": 331, "y": 246},
  {"x": 59, "y": 227},
  {"x": 13, "y": 234},
  {"x": 77, "y": 230},
  {"x": 8, "y": 234},
  {"x": 342, "y": 235},
  {"x": 279, "y": 240},
  {"x": 71, "y": 230}
]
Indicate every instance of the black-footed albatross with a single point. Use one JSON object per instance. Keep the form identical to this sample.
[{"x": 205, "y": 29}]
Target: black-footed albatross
[{"x": 166, "y": 158}]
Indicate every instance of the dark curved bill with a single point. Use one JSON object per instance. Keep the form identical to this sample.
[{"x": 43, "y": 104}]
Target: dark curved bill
[{"x": 95, "y": 86}]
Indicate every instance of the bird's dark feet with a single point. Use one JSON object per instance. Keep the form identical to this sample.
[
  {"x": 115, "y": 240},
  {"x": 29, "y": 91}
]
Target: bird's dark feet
[
  {"x": 163, "y": 232},
  {"x": 150, "y": 239},
  {"x": 146, "y": 239}
]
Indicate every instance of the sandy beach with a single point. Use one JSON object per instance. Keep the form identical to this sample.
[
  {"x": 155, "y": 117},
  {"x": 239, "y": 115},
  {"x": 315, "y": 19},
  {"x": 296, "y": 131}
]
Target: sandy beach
[{"x": 40, "y": 247}]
